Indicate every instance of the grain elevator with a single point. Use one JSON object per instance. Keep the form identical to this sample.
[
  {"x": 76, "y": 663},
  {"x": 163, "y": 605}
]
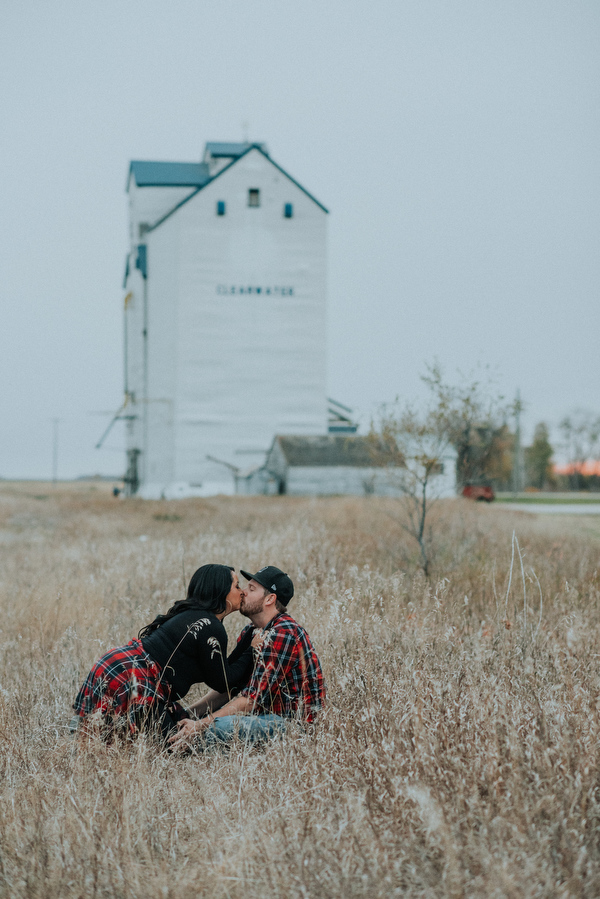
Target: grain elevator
[{"x": 225, "y": 318}]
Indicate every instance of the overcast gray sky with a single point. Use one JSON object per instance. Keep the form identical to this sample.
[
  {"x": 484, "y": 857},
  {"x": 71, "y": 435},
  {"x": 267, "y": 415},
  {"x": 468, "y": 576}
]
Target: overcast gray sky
[{"x": 455, "y": 144}]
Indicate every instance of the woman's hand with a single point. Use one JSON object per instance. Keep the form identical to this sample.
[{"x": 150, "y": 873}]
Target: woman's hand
[
  {"x": 187, "y": 730},
  {"x": 257, "y": 640}
]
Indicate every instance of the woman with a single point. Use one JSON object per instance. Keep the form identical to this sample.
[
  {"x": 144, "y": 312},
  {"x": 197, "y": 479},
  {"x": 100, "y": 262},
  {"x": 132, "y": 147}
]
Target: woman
[{"x": 140, "y": 683}]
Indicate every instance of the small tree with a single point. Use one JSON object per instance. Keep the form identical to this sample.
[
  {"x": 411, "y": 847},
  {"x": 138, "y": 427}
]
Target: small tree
[
  {"x": 538, "y": 458},
  {"x": 413, "y": 444},
  {"x": 416, "y": 443}
]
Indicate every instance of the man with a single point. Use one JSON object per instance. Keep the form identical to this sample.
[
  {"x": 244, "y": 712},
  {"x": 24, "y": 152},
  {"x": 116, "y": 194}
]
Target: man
[{"x": 287, "y": 681}]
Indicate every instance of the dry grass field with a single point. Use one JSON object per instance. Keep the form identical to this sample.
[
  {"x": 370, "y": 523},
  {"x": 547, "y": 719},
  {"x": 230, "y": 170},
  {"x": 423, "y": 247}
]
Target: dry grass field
[{"x": 458, "y": 756}]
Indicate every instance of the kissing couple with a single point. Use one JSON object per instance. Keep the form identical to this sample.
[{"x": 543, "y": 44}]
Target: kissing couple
[{"x": 272, "y": 676}]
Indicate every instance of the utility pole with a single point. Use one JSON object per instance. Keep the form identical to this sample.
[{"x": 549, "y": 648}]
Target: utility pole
[
  {"x": 55, "y": 423},
  {"x": 518, "y": 454}
]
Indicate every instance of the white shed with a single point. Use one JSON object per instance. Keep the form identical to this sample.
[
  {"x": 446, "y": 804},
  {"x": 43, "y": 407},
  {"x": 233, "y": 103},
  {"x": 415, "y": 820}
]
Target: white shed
[
  {"x": 326, "y": 465},
  {"x": 337, "y": 464},
  {"x": 225, "y": 342}
]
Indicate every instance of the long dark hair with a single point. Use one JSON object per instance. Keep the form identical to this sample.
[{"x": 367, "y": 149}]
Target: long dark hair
[{"x": 207, "y": 592}]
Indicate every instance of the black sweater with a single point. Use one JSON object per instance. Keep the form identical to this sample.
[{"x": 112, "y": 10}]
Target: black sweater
[{"x": 191, "y": 648}]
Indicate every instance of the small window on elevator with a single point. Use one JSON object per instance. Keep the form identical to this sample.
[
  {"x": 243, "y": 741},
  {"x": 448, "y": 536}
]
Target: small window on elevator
[
  {"x": 220, "y": 207},
  {"x": 253, "y": 196},
  {"x": 288, "y": 210}
]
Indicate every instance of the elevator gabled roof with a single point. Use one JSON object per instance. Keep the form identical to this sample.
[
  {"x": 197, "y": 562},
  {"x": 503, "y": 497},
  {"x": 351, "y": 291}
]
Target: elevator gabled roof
[{"x": 166, "y": 174}]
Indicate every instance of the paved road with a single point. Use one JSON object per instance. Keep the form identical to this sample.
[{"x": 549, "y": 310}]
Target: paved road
[{"x": 554, "y": 508}]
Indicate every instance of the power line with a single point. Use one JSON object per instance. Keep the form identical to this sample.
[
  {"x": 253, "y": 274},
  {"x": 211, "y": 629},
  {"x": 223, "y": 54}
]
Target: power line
[
  {"x": 518, "y": 453},
  {"x": 55, "y": 424}
]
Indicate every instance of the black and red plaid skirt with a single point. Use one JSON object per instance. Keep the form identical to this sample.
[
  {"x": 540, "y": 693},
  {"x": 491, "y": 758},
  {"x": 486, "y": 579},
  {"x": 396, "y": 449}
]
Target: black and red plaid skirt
[{"x": 126, "y": 687}]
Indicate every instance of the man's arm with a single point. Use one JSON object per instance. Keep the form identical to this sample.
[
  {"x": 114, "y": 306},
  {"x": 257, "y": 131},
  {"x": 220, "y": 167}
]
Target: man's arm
[{"x": 239, "y": 705}]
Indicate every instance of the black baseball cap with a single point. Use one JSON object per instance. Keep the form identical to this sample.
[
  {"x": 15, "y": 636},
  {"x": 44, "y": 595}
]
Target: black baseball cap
[{"x": 274, "y": 580}]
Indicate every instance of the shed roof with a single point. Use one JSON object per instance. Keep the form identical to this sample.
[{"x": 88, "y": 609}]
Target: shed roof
[
  {"x": 169, "y": 174},
  {"x": 332, "y": 449}
]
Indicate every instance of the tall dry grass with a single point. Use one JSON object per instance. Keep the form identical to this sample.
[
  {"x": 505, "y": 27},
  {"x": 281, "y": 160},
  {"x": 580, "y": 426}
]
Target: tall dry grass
[{"x": 458, "y": 755}]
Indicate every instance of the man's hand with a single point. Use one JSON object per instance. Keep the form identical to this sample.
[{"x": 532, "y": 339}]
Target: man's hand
[
  {"x": 187, "y": 730},
  {"x": 257, "y": 640}
]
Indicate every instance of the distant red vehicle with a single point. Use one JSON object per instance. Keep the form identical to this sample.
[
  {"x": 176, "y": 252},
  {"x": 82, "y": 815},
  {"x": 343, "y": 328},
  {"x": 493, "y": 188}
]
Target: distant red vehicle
[{"x": 482, "y": 493}]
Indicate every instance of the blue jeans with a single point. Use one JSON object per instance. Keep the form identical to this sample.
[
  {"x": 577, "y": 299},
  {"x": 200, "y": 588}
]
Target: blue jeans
[{"x": 249, "y": 728}]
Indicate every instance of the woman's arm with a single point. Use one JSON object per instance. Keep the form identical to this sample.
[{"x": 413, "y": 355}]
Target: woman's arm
[
  {"x": 209, "y": 703},
  {"x": 219, "y": 674},
  {"x": 243, "y": 642}
]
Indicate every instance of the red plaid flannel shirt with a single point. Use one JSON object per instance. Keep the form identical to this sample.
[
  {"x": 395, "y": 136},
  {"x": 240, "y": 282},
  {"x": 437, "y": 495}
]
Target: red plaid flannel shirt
[
  {"x": 122, "y": 682},
  {"x": 287, "y": 679}
]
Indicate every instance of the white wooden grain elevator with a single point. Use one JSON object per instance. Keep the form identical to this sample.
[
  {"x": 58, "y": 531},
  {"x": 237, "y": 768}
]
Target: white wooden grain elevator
[{"x": 225, "y": 318}]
